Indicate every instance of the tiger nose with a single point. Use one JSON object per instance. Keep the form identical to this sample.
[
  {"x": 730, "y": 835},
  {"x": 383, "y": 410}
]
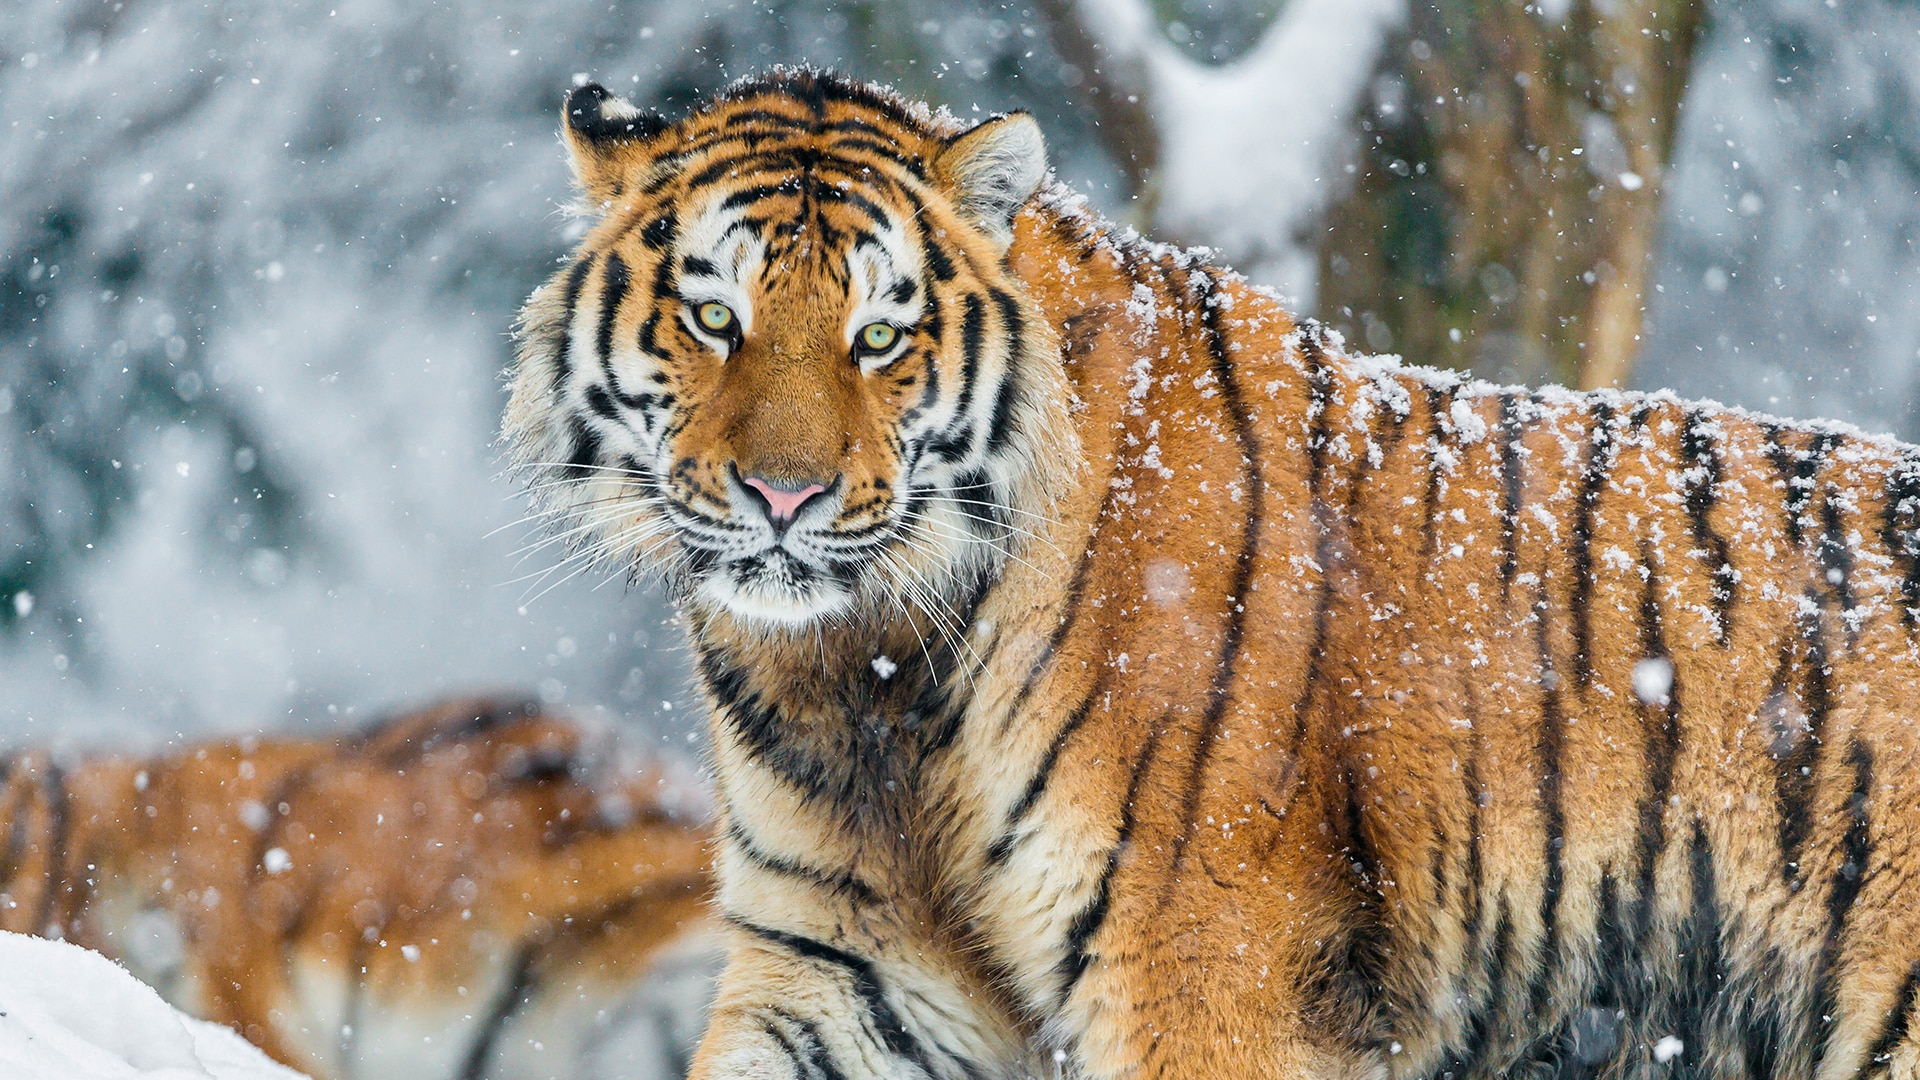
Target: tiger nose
[{"x": 783, "y": 501}]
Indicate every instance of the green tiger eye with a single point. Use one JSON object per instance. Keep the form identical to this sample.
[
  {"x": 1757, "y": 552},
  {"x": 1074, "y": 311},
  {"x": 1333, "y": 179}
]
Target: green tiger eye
[
  {"x": 878, "y": 337},
  {"x": 716, "y": 316}
]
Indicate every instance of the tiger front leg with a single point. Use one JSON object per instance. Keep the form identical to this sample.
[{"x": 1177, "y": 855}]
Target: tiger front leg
[{"x": 793, "y": 1006}]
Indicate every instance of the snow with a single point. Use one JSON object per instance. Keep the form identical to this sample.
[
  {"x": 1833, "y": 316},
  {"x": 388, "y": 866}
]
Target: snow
[
  {"x": 1667, "y": 1049},
  {"x": 1653, "y": 680},
  {"x": 67, "y": 1013},
  {"x": 1254, "y": 196},
  {"x": 1789, "y": 279}
]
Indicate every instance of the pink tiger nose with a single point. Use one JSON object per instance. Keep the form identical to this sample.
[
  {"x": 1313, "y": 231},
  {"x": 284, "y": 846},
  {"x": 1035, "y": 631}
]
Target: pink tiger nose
[{"x": 782, "y": 504}]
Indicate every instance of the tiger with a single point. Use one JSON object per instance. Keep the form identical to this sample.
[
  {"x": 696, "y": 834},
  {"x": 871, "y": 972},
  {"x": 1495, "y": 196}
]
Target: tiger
[
  {"x": 1111, "y": 675},
  {"x": 458, "y": 892}
]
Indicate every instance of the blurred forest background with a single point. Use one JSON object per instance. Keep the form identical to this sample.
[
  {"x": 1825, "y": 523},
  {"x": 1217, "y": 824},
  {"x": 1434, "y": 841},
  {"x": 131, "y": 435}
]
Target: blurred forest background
[{"x": 258, "y": 259}]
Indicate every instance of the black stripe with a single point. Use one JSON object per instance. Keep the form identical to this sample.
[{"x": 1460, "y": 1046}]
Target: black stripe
[
  {"x": 1593, "y": 481},
  {"x": 1552, "y": 815},
  {"x": 866, "y": 984},
  {"x": 660, "y": 233},
  {"x": 818, "y": 1056},
  {"x": 1614, "y": 981},
  {"x": 18, "y": 810},
  {"x": 753, "y": 162},
  {"x": 845, "y": 882},
  {"x": 1323, "y": 554},
  {"x": 1836, "y": 561},
  {"x": 586, "y": 450},
  {"x": 569, "y": 300},
  {"x": 613, "y": 288},
  {"x": 1795, "y": 772},
  {"x": 1703, "y": 968},
  {"x": 1013, "y": 326},
  {"x": 516, "y": 995},
  {"x": 1474, "y": 881},
  {"x": 1661, "y": 724},
  {"x": 1237, "y": 599},
  {"x": 1485, "y": 1021},
  {"x": 748, "y": 196},
  {"x": 1430, "y": 504},
  {"x": 1900, "y": 530},
  {"x": 767, "y": 116},
  {"x": 812, "y": 1060},
  {"x": 954, "y": 442},
  {"x": 56, "y": 846},
  {"x": 1075, "y": 958},
  {"x": 1512, "y": 486},
  {"x": 1856, "y": 855},
  {"x": 600, "y": 403},
  {"x": 1069, "y": 615},
  {"x": 761, "y": 729},
  {"x": 1799, "y": 471},
  {"x": 1037, "y": 785},
  {"x": 1893, "y": 1030},
  {"x": 937, "y": 262},
  {"x": 877, "y": 217},
  {"x": 788, "y": 1048},
  {"x": 941, "y": 713},
  {"x": 1701, "y": 491}
]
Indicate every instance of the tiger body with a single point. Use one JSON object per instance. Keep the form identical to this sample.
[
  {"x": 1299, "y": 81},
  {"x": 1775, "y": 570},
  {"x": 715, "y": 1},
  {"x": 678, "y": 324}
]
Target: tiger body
[
  {"x": 450, "y": 895},
  {"x": 1254, "y": 709}
]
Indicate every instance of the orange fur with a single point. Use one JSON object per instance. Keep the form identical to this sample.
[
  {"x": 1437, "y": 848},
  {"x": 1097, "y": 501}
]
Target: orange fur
[
  {"x": 433, "y": 883},
  {"x": 1301, "y": 715}
]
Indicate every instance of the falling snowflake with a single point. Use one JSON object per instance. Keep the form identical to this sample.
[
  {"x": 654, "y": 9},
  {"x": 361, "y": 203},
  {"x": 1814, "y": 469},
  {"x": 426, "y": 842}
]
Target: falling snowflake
[{"x": 1653, "y": 680}]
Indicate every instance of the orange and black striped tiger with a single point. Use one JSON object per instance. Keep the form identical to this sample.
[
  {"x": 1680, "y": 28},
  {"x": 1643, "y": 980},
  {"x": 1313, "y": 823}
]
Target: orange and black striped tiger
[
  {"x": 458, "y": 893},
  {"x": 1112, "y": 676}
]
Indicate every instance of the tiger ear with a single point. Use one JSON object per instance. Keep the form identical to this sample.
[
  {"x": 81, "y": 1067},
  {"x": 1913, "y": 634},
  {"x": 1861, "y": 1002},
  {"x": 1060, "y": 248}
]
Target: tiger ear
[
  {"x": 992, "y": 170},
  {"x": 602, "y": 132}
]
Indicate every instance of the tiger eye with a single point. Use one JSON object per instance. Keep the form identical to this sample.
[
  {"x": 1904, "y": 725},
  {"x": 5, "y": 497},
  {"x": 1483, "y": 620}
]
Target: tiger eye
[
  {"x": 716, "y": 317},
  {"x": 878, "y": 337}
]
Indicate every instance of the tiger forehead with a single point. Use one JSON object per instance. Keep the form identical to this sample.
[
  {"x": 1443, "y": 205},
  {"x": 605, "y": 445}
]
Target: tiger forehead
[{"x": 843, "y": 126}]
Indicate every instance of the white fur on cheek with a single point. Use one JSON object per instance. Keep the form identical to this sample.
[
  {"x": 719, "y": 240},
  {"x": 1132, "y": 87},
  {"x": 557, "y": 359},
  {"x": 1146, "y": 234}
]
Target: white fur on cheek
[
  {"x": 875, "y": 267},
  {"x": 736, "y": 259}
]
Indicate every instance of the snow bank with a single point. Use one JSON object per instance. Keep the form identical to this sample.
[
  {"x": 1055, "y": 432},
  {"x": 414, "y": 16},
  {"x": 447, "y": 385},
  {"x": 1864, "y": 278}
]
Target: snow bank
[{"x": 70, "y": 1014}]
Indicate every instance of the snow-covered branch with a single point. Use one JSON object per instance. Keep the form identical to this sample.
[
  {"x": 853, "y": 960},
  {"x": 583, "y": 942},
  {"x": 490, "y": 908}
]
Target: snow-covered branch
[{"x": 1242, "y": 152}]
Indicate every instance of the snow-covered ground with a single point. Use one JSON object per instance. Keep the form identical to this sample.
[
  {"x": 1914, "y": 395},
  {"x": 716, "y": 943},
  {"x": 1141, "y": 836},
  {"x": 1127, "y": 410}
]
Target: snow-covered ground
[{"x": 70, "y": 1014}]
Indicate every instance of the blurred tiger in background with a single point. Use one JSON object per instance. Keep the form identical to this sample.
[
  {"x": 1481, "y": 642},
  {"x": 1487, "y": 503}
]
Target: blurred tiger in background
[{"x": 465, "y": 892}]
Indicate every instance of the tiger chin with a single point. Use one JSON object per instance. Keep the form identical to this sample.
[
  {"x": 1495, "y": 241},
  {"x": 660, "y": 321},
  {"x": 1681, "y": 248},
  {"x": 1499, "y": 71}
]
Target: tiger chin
[{"x": 1110, "y": 676}]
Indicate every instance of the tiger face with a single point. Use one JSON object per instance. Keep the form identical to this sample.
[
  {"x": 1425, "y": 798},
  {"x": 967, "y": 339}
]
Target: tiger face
[{"x": 788, "y": 366}]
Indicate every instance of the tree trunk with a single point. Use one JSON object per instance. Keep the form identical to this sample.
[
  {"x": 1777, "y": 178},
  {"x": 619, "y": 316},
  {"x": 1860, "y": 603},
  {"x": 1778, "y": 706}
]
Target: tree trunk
[{"x": 1505, "y": 207}]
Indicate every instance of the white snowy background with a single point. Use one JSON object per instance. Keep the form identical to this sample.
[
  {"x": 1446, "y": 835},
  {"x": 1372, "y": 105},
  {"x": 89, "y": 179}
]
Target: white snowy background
[{"x": 258, "y": 259}]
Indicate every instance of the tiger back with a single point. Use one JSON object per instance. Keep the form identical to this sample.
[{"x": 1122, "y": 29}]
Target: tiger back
[
  {"x": 458, "y": 892},
  {"x": 1113, "y": 675}
]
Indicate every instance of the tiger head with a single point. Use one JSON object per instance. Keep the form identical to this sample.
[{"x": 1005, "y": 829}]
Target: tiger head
[{"x": 788, "y": 366}]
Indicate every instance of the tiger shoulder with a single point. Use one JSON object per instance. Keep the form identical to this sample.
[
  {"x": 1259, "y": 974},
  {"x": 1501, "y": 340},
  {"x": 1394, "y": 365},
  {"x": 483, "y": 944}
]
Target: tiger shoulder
[{"x": 1110, "y": 673}]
